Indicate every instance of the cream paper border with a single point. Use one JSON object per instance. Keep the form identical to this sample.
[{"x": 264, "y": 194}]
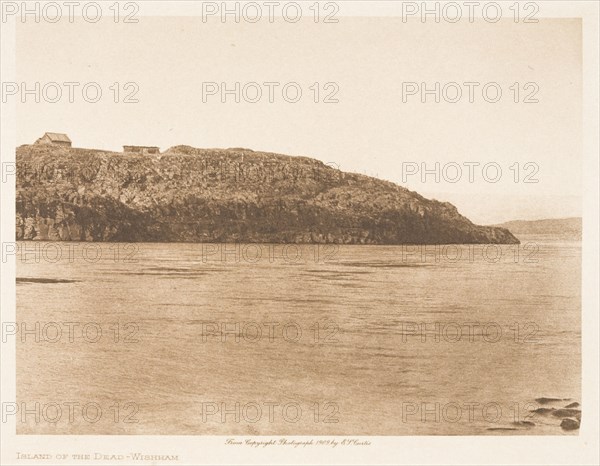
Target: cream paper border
[{"x": 581, "y": 449}]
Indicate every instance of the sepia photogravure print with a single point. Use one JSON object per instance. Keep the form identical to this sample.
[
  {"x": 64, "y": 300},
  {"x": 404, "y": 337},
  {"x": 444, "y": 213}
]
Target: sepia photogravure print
[{"x": 299, "y": 232}]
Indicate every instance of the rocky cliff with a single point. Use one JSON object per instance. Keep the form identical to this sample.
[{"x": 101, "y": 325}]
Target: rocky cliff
[{"x": 217, "y": 195}]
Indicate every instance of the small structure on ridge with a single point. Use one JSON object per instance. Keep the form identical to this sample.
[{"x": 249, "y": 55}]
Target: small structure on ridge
[
  {"x": 55, "y": 138},
  {"x": 142, "y": 149}
]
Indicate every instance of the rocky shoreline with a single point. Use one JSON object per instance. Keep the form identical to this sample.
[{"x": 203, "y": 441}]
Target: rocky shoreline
[{"x": 223, "y": 195}]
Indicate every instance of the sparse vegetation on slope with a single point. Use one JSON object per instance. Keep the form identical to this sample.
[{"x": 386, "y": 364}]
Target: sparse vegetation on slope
[{"x": 223, "y": 195}]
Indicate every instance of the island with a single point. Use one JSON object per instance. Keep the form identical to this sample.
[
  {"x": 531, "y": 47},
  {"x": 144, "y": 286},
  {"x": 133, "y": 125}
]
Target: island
[{"x": 186, "y": 194}]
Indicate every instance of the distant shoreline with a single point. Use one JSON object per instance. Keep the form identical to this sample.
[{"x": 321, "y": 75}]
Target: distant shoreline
[{"x": 562, "y": 228}]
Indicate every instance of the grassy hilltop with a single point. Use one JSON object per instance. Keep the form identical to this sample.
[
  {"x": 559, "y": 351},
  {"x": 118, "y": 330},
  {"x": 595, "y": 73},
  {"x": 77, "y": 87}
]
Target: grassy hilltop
[{"x": 222, "y": 195}]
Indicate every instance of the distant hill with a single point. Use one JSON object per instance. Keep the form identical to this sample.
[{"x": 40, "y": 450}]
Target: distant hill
[
  {"x": 223, "y": 195},
  {"x": 557, "y": 227}
]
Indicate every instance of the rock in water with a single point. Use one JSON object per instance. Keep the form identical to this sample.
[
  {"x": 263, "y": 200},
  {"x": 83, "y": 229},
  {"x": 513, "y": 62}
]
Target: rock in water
[
  {"x": 524, "y": 423},
  {"x": 213, "y": 195},
  {"x": 564, "y": 412},
  {"x": 545, "y": 400},
  {"x": 543, "y": 411},
  {"x": 569, "y": 424}
]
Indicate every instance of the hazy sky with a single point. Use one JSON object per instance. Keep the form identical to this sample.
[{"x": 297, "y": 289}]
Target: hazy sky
[{"x": 370, "y": 130}]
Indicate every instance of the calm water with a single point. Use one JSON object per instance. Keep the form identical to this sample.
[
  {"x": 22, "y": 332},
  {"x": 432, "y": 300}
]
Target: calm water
[{"x": 497, "y": 335}]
